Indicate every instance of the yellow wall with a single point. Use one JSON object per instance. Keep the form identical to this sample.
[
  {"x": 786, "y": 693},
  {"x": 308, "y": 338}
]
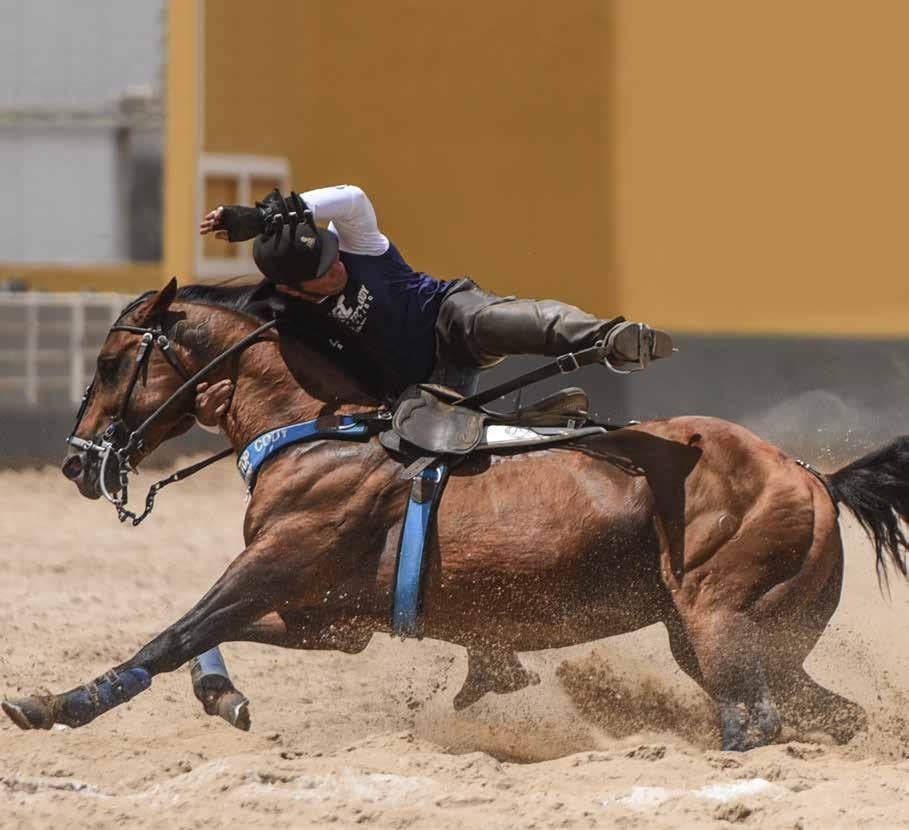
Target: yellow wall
[
  {"x": 478, "y": 128},
  {"x": 762, "y": 169},
  {"x": 707, "y": 165}
]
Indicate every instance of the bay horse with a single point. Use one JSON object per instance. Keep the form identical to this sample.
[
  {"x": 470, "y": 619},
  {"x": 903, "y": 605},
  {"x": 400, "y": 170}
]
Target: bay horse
[{"x": 702, "y": 526}]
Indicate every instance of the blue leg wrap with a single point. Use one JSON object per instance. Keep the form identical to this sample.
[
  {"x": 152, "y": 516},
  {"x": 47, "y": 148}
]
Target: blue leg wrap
[{"x": 83, "y": 705}]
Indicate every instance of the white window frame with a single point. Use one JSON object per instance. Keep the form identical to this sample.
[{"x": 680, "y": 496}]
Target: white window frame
[{"x": 242, "y": 168}]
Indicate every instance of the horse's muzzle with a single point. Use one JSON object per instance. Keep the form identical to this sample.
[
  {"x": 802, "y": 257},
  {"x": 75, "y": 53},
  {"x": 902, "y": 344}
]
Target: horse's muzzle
[
  {"x": 83, "y": 469},
  {"x": 73, "y": 466}
]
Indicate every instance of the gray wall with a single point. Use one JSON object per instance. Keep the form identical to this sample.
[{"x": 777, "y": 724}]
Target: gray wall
[
  {"x": 81, "y": 135},
  {"x": 61, "y": 192},
  {"x": 55, "y": 52},
  {"x": 825, "y": 400}
]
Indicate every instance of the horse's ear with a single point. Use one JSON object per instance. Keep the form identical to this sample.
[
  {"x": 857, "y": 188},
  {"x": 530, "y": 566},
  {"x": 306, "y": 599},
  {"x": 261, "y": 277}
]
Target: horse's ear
[{"x": 157, "y": 304}]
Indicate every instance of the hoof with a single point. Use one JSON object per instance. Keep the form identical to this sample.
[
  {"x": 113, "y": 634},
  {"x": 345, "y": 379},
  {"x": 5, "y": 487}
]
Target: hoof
[
  {"x": 475, "y": 687},
  {"x": 234, "y": 708},
  {"x": 219, "y": 697},
  {"x": 30, "y": 713},
  {"x": 467, "y": 697}
]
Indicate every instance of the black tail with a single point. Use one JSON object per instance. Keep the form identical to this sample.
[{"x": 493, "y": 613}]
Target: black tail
[{"x": 876, "y": 489}]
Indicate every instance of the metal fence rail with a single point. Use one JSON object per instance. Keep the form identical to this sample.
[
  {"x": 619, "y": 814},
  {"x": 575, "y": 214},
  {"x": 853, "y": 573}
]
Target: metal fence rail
[{"x": 48, "y": 345}]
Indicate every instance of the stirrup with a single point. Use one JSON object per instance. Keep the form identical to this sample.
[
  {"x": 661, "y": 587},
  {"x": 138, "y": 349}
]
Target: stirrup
[{"x": 650, "y": 344}]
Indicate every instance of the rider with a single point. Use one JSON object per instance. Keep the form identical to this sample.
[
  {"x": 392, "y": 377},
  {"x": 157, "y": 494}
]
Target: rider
[{"x": 421, "y": 328}]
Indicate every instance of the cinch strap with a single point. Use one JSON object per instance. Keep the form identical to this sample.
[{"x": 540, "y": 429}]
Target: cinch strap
[{"x": 425, "y": 493}]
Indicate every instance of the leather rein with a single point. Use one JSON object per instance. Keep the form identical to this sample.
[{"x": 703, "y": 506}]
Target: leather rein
[{"x": 119, "y": 442}]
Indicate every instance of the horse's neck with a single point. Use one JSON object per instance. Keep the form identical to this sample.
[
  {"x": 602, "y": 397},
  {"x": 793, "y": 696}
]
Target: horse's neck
[{"x": 281, "y": 381}]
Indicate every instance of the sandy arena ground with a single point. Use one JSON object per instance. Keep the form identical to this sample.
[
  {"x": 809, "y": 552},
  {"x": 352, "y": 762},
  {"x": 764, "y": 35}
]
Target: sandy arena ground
[{"x": 614, "y": 735}]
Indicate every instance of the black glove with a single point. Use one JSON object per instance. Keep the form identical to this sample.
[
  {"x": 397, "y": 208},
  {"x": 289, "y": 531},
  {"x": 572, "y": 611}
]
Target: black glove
[
  {"x": 269, "y": 215},
  {"x": 241, "y": 222}
]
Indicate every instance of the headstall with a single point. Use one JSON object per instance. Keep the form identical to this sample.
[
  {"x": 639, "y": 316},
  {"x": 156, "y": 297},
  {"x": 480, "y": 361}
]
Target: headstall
[{"x": 119, "y": 442}]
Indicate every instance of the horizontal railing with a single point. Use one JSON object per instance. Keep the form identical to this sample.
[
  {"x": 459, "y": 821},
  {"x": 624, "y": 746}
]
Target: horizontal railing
[{"x": 48, "y": 344}]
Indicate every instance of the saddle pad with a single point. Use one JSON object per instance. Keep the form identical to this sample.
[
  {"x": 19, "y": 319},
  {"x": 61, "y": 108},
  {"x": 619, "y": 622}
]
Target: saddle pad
[
  {"x": 508, "y": 436},
  {"x": 425, "y": 494}
]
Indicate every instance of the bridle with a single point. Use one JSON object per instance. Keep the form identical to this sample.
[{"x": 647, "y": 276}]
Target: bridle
[{"x": 118, "y": 441}]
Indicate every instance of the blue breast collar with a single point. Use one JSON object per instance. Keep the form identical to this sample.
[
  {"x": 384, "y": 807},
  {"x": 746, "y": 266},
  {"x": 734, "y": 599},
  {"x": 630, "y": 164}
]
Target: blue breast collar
[{"x": 264, "y": 446}]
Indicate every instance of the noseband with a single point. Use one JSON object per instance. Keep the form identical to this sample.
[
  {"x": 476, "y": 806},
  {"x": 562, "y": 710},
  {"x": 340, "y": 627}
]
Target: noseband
[{"x": 119, "y": 442}]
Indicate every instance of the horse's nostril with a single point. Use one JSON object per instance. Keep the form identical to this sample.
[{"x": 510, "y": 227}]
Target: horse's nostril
[{"x": 72, "y": 468}]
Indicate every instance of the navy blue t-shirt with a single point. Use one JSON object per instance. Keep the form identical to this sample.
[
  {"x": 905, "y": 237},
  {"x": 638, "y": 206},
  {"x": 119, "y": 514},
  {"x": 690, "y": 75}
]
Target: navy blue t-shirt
[{"x": 391, "y": 311}]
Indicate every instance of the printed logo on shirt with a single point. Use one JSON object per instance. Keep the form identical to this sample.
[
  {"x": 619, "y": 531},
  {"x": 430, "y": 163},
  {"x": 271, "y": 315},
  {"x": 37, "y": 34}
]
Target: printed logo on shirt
[{"x": 353, "y": 318}]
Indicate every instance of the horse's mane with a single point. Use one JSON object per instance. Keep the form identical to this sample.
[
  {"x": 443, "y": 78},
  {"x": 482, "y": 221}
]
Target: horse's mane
[{"x": 255, "y": 300}]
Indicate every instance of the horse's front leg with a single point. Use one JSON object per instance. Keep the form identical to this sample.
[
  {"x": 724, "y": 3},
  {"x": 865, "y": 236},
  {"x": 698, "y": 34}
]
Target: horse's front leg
[
  {"x": 213, "y": 685},
  {"x": 254, "y": 584},
  {"x": 215, "y": 690}
]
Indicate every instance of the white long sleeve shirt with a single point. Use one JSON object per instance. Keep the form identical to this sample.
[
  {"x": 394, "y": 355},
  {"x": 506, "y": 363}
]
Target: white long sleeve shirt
[{"x": 351, "y": 216}]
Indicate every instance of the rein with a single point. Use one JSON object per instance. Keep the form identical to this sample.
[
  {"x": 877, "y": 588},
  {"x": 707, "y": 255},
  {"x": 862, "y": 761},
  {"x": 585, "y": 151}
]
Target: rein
[{"x": 120, "y": 443}]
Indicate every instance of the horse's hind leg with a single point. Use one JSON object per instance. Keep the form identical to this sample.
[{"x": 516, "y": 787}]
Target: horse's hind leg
[
  {"x": 809, "y": 707},
  {"x": 805, "y": 704},
  {"x": 491, "y": 669},
  {"x": 731, "y": 671},
  {"x": 746, "y": 724},
  {"x": 682, "y": 650}
]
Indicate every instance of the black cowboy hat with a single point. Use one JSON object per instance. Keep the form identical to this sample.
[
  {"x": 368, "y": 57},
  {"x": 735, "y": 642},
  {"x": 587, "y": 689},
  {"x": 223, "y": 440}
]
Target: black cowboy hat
[{"x": 298, "y": 252}]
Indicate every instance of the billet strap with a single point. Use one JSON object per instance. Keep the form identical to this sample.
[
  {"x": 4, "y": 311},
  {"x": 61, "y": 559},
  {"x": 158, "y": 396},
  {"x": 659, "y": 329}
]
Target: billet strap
[
  {"x": 562, "y": 365},
  {"x": 416, "y": 467},
  {"x": 422, "y": 504}
]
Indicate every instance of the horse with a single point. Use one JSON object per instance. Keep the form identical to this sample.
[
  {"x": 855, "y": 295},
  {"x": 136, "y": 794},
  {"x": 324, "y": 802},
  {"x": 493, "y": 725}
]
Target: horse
[{"x": 692, "y": 522}]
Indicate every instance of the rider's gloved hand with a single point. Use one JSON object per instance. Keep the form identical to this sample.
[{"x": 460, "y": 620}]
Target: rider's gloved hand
[
  {"x": 234, "y": 223},
  {"x": 212, "y": 402},
  {"x": 237, "y": 223}
]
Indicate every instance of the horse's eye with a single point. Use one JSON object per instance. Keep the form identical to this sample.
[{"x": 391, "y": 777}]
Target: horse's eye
[{"x": 108, "y": 368}]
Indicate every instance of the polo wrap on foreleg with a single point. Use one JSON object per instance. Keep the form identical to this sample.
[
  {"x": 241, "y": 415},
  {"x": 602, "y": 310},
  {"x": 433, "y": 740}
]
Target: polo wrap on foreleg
[{"x": 83, "y": 704}]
